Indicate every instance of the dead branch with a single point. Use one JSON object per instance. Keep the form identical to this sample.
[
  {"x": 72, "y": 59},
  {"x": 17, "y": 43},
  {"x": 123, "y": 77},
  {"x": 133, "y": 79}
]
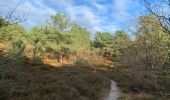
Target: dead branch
[
  {"x": 11, "y": 18},
  {"x": 157, "y": 10}
]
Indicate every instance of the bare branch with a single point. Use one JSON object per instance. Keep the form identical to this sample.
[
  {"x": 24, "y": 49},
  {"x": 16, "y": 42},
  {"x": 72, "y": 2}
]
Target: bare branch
[
  {"x": 13, "y": 10},
  {"x": 12, "y": 18},
  {"x": 158, "y": 11}
]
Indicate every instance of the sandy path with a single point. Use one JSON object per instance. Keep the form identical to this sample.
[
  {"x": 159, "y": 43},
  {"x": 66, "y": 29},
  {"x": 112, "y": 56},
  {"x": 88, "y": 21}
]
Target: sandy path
[{"x": 114, "y": 92}]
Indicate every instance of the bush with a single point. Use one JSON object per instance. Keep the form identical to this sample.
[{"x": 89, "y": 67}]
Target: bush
[
  {"x": 89, "y": 58},
  {"x": 81, "y": 62}
]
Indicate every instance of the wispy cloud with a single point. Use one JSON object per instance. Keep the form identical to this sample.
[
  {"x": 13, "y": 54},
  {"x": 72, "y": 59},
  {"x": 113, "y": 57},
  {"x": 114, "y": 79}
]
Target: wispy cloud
[
  {"x": 37, "y": 12},
  {"x": 63, "y": 3},
  {"x": 96, "y": 15},
  {"x": 84, "y": 16},
  {"x": 123, "y": 10}
]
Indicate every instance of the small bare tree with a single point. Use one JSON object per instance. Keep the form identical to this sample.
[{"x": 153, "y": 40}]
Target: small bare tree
[
  {"x": 161, "y": 9},
  {"x": 11, "y": 17}
]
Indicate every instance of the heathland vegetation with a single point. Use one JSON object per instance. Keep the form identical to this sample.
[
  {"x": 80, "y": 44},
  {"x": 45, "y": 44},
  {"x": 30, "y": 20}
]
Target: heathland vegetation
[{"x": 60, "y": 61}]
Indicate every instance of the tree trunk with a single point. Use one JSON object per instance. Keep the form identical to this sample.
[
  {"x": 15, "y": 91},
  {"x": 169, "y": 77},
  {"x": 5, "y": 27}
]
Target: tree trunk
[{"x": 61, "y": 58}]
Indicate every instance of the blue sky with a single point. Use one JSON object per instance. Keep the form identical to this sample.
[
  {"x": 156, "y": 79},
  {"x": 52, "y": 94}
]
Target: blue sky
[{"x": 95, "y": 15}]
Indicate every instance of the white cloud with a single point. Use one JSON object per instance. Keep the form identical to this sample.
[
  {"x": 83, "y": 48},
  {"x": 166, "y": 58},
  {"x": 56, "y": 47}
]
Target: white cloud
[
  {"x": 121, "y": 9},
  {"x": 36, "y": 14},
  {"x": 107, "y": 28},
  {"x": 88, "y": 13},
  {"x": 100, "y": 7},
  {"x": 63, "y": 3},
  {"x": 96, "y": 29},
  {"x": 83, "y": 15}
]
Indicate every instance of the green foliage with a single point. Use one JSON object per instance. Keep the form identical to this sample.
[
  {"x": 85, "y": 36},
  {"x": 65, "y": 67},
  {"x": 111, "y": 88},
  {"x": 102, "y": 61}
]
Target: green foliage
[
  {"x": 80, "y": 37},
  {"x": 62, "y": 40},
  {"x": 18, "y": 47},
  {"x": 3, "y": 22},
  {"x": 11, "y": 32},
  {"x": 58, "y": 36},
  {"x": 37, "y": 39},
  {"x": 121, "y": 39},
  {"x": 104, "y": 41},
  {"x": 56, "y": 40},
  {"x": 151, "y": 47},
  {"x": 14, "y": 35},
  {"x": 60, "y": 21},
  {"x": 153, "y": 43}
]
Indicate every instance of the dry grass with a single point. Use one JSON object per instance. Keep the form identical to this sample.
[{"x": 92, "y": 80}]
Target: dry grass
[
  {"x": 48, "y": 82},
  {"x": 44, "y": 82},
  {"x": 140, "y": 84},
  {"x": 140, "y": 96}
]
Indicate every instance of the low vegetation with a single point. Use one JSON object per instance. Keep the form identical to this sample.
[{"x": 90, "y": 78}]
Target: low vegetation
[
  {"x": 30, "y": 81},
  {"x": 140, "y": 66},
  {"x": 140, "y": 84}
]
